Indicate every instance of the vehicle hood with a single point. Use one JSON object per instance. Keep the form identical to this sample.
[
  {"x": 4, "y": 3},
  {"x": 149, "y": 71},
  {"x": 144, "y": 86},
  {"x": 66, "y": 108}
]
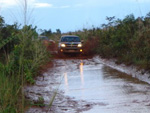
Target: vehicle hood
[{"x": 71, "y": 43}]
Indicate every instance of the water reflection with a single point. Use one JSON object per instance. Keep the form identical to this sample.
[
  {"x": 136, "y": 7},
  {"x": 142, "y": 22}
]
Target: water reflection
[
  {"x": 66, "y": 79},
  {"x": 118, "y": 92},
  {"x": 81, "y": 73}
]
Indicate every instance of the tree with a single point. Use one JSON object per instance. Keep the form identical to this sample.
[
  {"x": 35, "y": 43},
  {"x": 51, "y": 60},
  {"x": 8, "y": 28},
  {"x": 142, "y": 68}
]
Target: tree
[
  {"x": 46, "y": 32},
  {"x": 1, "y": 22},
  {"x": 58, "y": 31}
]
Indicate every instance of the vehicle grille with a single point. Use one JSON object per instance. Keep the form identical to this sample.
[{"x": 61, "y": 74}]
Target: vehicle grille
[{"x": 71, "y": 45}]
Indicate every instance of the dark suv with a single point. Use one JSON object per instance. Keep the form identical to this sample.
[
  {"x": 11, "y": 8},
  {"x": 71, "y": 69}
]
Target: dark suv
[{"x": 70, "y": 44}]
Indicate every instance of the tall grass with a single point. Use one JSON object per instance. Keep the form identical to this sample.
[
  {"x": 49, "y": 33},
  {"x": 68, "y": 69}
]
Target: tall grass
[
  {"x": 21, "y": 54},
  {"x": 18, "y": 66},
  {"x": 9, "y": 90}
]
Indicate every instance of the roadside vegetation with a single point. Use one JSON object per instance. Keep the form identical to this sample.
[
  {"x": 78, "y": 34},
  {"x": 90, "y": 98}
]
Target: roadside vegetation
[
  {"x": 127, "y": 40},
  {"x": 21, "y": 54}
]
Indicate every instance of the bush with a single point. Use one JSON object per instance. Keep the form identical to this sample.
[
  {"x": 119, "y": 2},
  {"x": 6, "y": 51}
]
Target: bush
[
  {"x": 19, "y": 64},
  {"x": 128, "y": 40}
]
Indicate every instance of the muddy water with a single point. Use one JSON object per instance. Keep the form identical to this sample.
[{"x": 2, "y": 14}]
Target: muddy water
[{"x": 86, "y": 86}]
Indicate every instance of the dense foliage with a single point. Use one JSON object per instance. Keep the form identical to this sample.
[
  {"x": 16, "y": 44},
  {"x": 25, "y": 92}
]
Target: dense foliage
[
  {"x": 128, "y": 40},
  {"x": 21, "y": 54}
]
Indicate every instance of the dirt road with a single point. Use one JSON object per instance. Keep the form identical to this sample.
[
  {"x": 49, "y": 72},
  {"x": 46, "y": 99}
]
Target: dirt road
[{"x": 86, "y": 86}]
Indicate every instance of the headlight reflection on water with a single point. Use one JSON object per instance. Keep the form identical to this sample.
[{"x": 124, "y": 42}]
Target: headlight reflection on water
[
  {"x": 81, "y": 72},
  {"x": 66, "y": 82},
  {"x": 66, "y": 79}
]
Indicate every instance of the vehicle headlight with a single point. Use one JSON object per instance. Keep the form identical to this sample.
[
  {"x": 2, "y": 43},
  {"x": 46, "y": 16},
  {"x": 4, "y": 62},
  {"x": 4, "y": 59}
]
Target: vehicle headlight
[
  {"x": 63, "y": 45},
  {"x": 79, "y": 45}
]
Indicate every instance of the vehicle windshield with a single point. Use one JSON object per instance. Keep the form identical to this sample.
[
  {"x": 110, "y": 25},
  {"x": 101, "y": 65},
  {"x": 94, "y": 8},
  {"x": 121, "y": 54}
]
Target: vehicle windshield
[{"x": 70, "y": 39}]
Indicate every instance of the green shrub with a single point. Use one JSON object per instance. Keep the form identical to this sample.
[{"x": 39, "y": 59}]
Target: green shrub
[
  {"x": 128, "y": 39},
  {"x": 19, "y": 65}
]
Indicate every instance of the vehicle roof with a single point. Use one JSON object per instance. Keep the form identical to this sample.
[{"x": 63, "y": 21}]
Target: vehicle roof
[{"x": 69, "y": 36}]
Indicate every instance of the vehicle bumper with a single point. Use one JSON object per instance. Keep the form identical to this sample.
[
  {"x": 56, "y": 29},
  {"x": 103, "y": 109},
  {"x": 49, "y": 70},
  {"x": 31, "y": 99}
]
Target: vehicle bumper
[{"x": 71, "y": 50}]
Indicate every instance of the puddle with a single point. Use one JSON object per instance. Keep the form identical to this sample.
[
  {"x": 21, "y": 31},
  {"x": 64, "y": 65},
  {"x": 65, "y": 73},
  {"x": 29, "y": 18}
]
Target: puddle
[{"x": 86, "y": 86}]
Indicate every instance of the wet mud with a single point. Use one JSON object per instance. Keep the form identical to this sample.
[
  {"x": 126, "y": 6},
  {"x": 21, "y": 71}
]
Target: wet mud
[
  {"x": 87, "y": 86},
  {"x": 46, "y": 86}
]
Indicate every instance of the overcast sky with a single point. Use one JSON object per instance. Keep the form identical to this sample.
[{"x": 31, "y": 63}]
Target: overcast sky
[{"x": 71, "y": 15}]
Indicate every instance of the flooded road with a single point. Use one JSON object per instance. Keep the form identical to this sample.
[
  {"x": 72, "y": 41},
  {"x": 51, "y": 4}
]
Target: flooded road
[{"x": 86, "y": 86}]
